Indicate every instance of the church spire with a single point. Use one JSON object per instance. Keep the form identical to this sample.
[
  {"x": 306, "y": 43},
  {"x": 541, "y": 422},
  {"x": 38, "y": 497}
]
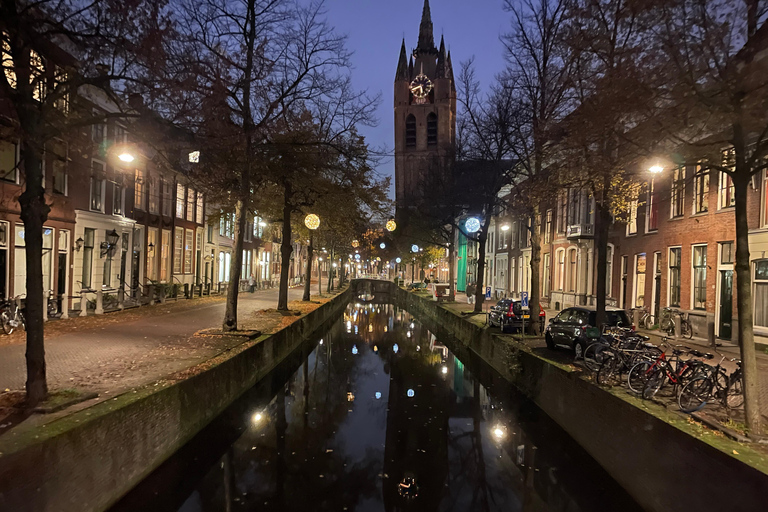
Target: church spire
[
  {"x": 426, "y": 39},
  {"x": 441, "y": 58},
  {"x": 402, "y": 64}
]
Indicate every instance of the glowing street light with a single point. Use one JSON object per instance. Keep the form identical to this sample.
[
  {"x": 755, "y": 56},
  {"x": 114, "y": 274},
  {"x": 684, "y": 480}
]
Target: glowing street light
[
  {"x": 126, "y": 157},
  {"x": 656, "y": 169},
  {"x": 391, "y": 225},
  {"x": 498, "y": 432},
  {"x": 472, "y": 225},
  {"x": 382, "y": 245},
  {"x": 505, "y": 227},
  {"x": 414, "y": 248},
  {"x": 312, "y": 222}
]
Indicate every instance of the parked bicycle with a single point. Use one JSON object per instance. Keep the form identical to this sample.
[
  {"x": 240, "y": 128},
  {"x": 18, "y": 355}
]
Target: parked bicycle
[
  {"x": 664, "y": 371},
  {"x": 667, "y": 323},
  {"x": 616, "y": 337},
  {"x": 53, "y": 306},
  {"x": 714, "y": 386},
  {"x": 619, "y": 360},
  {"x": 11, "y": 316},
  {"x": 647, "y": 320}
]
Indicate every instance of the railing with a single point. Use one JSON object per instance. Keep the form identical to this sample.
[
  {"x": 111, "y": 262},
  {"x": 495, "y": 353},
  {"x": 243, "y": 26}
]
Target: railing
[{"x": 580, "y": 231}]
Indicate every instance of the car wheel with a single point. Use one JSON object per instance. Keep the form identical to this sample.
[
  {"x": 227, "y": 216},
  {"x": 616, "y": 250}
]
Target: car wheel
[
  {"x": 578, "y": 349},
  {"x": 550, "y": 341}
]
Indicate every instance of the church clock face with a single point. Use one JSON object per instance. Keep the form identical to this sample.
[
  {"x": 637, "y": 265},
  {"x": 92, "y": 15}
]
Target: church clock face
[{"x": 420, "y": 88}]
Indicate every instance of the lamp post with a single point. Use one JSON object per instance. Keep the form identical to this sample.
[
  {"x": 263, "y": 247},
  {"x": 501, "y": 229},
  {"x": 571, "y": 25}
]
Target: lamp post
[{"x": 312, "y": 222}]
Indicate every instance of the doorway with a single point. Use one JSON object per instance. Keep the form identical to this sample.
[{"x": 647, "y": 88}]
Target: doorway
[
  {"x": 623, "y": 296},
  {"x": 726, "y": 304},
  {"x": 656, "y": 284}
]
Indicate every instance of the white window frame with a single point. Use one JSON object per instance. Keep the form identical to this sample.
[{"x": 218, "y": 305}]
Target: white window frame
[
  {"x": 103, "y": 187},
  {"x": 699, "y": 176},
  {"x": 609, "y": 256},
  {"x": 693, "y": 278},
  {"x": 632, "y": 221}
]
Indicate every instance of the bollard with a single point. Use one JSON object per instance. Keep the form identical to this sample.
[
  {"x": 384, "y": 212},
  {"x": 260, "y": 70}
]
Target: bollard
[
  {"x": 83, "y": 304},
  {"x": 711, "y": 330},
  {"x": 99, "y": 302},
  {"x": 121, "y": 298},
  {"x": 636, "y": 318},
  {"x": 678, "y": 325},
  {"x": 64, "y": 307},
  {"x": 186, "y": 291},
  {"x": 46, "y": 297},
  {"x": 162, "y": 295},
  {"x": 151, "y": 294}
]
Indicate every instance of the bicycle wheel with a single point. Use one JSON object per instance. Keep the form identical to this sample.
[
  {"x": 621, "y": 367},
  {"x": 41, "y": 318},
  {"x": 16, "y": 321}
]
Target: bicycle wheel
[
  {"x": 650, "y": 321},
  {"x": 594, "y": 356},
  {"x": 655, "y": 381},
  {"x": 734, "y": 394},
  {"x": 638, "y": 375},
  {"x": 694, "y": 395},
  {"x": 609, "y": 375},
  {"x": 5, "y": 320},
  {"x": 686, "y": 330}
]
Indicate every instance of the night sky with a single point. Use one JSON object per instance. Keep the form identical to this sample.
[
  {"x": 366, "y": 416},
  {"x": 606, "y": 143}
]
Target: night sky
[{"x": 376, "y": 27}]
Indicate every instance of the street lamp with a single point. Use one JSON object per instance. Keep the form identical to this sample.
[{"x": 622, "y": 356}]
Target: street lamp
[
  {"x": 382, "y": 245},
  {"x": 655, "y": 169},
  {"x": 505, "y": 227},
  {"x": 126, "y": 157},
  {"x": 391, "y": 225},
  {"x": 472, "y": 225},
  {"x": 312, "y": 222}
]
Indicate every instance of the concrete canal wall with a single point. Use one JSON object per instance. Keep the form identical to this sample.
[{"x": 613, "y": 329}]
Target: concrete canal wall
[
  {"x": 661, "y": 466},
  {"x": 87, "y": 460}
]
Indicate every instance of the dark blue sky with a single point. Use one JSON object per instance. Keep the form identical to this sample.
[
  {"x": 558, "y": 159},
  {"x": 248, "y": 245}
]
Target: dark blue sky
[{"x": 376, "y": 27}]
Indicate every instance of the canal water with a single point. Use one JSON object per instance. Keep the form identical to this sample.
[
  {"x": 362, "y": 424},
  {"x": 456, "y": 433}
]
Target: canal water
[{"x": 378, "y": 414}]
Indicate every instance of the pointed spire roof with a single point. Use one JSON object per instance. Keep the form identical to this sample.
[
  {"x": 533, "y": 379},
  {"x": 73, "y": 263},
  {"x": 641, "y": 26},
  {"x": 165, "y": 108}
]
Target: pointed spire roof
[
  {"x": 449, "y": 71},
  {"x": 410, "y": 68},
  {"x": 402, "y": 64},
  {"x": 441, "y": 58},
  {"x": 426, "y": 39}
]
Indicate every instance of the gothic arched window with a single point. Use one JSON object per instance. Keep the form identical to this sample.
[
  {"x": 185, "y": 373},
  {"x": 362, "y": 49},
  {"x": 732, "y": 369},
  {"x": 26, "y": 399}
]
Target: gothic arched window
[
  {"x": 431, "y": 129},
  {"x": 410, "y": 131}
]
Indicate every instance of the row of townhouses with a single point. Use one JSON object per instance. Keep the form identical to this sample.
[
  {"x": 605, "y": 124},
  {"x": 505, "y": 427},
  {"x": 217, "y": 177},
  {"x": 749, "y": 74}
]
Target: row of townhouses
[
  {"x": 121, "y": 221},
  {"x": 677, "y": 250}
]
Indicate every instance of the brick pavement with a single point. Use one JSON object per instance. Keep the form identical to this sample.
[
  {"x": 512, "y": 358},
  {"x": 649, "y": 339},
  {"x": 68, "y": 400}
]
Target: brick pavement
[{"x": 135, "y": 351}]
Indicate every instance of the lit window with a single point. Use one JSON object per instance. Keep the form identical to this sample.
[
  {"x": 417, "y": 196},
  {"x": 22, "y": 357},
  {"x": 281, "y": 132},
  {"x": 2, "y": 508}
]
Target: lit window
[
  {"x": 726, "y": 197},
  {"x": 179, "y": 201},
  {"x": 652, "y": 210},
  {"x": 640, "y": 266},
  {"x": 36, "y": 75},
  {"x": 194, "y": 157},
  {"x": 701, "y": 190},
  {"x": 675, "y": 254},
  {"x": 699, "y": 277},
  {"x": 761, "y": 293},
  {"x": 190, "y": 204},
  {"x": 678, "y": 191},
  {"x": 138, "y": 189},
  {"x": 8, "y": 66},
  {"x": 632, "y": 221},
  {"x": 178, "y": 249}
]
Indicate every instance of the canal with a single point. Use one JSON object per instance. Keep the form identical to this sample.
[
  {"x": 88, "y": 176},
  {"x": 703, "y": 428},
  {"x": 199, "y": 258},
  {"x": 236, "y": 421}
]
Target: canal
[{"x": 377, "y": 413}]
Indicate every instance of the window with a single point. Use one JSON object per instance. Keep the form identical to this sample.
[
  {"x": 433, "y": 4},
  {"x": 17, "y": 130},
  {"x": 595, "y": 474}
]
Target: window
[
  {"x": 59, "y": 167},
  {"x": 632, "y": 221},
  {"x": 121, "y": 135},
  {"x": 165, "y": 256},
  {"x": 98, "y": 130},
  {"x": 138, "y": 189},
  {"x": 167, "y": 198},
  {"x": 179, "y": 201},
  {"x": 431, "y": 129},
  {"x": 548, "y": 227},
  {"x": 178, "y": 247},
  {"x": 410, "y": 131},
  {"x": 726, "y": 253},
  {"x": 609, "y": 271},
  {"x": 258, "y": 227},
  {"x": 88, "y": 239},
  {"x": 60, "y": 78},
  {"x": 9, "y": 153},
  {"x": 117, "y": 199},
  {"x": 572, "y": 264},
  {"x": 106, "y": 276},
  {"x": 675, "y": 254},
  {"x": 97, "y": 187},
  {"x": 154, "y": 194},
  {"x": 194, "y": 157},
  {"x": 200, "y": 210},
  {"x": 699, "y": 277},
  {"x": 209, "y": 238},
  {"x": 678, "y": 192},
  {"x": 188, "y": 245},
  {"x": 640, "y": 266},
  {"x": 574, "y": 207},
  {"x": 7, "y": 61},
  {"x": 152, "y": 251},
  {"x": 560, "y": 270},
  {"x": 765, "y": 198},
  {"x": 37, "y": 75},
  {"x": 725, "y": 195},
  {"x": 503, "y": 237},
  {"x": 191, "y": 204},
  {"x": 561, "y": 213},
  {"x": 652, "y": 209},
  {"x": 547, "y": 275},
  {"x": 701, "y": 190},
  {"x": 761, "y": 293}
]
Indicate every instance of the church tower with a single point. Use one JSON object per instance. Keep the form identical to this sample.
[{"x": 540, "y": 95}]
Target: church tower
[{"x": 425, "y": 114}]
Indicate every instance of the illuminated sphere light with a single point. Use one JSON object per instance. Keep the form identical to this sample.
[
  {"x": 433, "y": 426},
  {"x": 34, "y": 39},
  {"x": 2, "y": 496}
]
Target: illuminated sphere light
[
  {"x": 354, "y": 349},
  {"x": 391, "y": 225},
  {"x": 414, "y": 248},
  {"x": 312, "y": 221},
  {"x": 382, "y": 245},
  {"x": 355, "y": 243},
  {"x": 411, "y": 393},
  {"x": 398, "y": 260},
  {"x": 472, "y": 225}
]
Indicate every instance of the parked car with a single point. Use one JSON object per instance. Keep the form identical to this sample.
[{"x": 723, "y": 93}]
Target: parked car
[
  {"x": 508, "y": 314},
  {"x": 569, "y": 328}
]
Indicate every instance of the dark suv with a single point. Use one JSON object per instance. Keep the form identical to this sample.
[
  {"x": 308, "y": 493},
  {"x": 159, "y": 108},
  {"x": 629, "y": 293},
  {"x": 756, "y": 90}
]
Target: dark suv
[
  {"x": 569, "y": 327},
  {"x": 508, "y": 314}
]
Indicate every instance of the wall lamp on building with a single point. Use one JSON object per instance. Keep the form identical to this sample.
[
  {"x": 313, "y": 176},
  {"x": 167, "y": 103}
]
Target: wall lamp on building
[
  {"x": 110, "y": 243},
  {"x": 79, "y": 244},
  {"x": 151, "y": 249}
]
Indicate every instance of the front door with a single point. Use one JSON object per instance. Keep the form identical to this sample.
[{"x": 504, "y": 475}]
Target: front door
[
  {"x": 726, "y": 304},
  {"x": 123, "y": 256},
  {"x": 135, "y": 259}
]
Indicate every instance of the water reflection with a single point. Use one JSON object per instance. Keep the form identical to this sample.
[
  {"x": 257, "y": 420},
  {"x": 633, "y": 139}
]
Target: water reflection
[{"x": 380, "y": 415}]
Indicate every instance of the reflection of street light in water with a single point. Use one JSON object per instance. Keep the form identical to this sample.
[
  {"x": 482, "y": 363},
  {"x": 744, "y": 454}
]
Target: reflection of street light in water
[
  {"x": 498, "y": 432},
  {"x": 257, "y": 418},
  {"x": 444, "y": 369}
]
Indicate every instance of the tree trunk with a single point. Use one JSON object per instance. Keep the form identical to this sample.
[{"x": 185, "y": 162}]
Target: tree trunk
[
  {"x": 34, "y": 212},
  {"x": 452, "y": 265},
  {"x": 602, "y": 224},
  {"x": 230, "y": 315},
  {"x": 535, "y": 292},
  {"x": 480, "y": 285},
  {"x": 285, "y": 251},
  {"x": 309, "y": 267},
  {"x": 744, "y": 300}
]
